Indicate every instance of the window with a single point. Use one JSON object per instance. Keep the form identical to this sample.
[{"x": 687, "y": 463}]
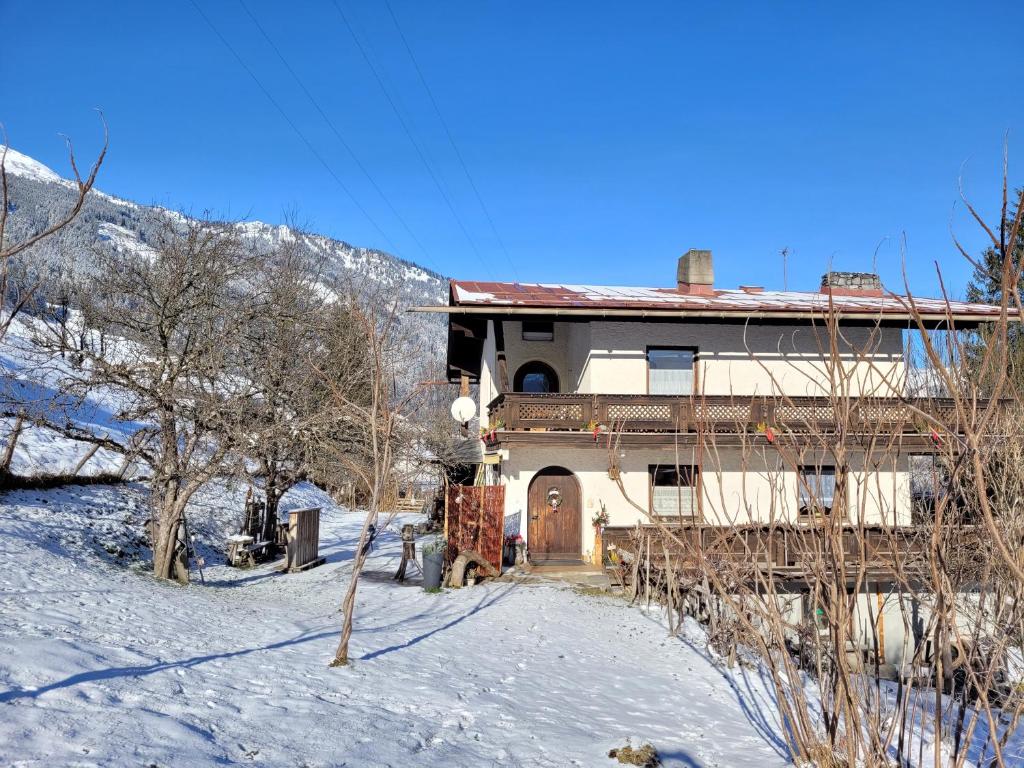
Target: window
[
  {"x": 670, "y": 371},
  {"x": 673, "y": 491},
  {"x": 536, "y": 377},
  {"x": 538, "y": 330},
  {"x": 816, "y": 490},
  {"x": 814, "y": 611},
  {"x": 928, "y": 482}
]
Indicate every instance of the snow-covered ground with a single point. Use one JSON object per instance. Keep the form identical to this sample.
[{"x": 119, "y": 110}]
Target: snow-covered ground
[{"x": 100, "y": 664}]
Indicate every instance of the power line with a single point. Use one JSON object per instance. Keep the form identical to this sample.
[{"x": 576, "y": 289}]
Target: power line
[
  {"x": 408, "y": 132},
  {"x": 451, "y": 138},
  {"x": 337, "y": 133},
  {"x": 295, "y": 128}
]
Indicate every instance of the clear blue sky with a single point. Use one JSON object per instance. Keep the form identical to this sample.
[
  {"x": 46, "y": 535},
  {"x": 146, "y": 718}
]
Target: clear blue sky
[{"x": 605, "y": 139}]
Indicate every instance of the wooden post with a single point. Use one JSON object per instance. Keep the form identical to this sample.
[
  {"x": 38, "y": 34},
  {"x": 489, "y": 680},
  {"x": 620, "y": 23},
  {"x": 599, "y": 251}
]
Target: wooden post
[
  {"x": 408, "y": 551},
  {"x": 880, "y": 625},
  {"x": 12, "y": 442},
  {"x": 84, "y": 460}
]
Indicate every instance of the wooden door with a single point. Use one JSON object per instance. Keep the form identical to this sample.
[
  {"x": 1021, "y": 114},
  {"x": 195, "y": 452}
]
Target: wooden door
[{"x": 556, "y": 516}]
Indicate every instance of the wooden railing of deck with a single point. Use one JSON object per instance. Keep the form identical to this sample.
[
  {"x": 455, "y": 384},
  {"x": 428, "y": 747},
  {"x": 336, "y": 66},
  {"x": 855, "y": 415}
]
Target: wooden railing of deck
[
  {"x": 784, "y": 552},
  {"x": 716, "y": 414}
]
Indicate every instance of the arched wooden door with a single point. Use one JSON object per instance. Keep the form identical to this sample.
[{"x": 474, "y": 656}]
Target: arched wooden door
[{"x": 556, "y": 516}]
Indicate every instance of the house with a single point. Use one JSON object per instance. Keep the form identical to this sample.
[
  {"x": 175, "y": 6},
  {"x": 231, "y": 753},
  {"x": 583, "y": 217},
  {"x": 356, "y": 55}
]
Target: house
[{"x": 665, "y": 402}]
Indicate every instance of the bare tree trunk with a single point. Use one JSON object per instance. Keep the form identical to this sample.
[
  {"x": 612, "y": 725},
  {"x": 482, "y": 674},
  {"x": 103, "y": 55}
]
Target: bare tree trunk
[
  {"x": 12, "y": 443},
  {"x": 349, "y": 603}
]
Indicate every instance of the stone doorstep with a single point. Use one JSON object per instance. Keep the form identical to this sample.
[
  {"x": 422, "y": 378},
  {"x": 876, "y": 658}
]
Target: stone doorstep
[{"x": 583, "y": 574}]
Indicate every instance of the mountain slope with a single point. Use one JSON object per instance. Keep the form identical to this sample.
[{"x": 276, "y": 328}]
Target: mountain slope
[{"x": 39, "y": 195}]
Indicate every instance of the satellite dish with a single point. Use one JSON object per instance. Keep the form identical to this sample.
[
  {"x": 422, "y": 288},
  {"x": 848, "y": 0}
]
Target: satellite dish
[{"x": 463, "y": 409}]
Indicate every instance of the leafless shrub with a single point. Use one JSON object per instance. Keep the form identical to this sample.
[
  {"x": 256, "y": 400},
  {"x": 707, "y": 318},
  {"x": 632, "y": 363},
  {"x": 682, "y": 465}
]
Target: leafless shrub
[{"x": 954, "y": 580}]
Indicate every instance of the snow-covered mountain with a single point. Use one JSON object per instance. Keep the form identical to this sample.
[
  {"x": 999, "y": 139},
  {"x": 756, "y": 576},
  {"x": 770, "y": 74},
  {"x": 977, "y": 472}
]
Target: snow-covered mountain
[{"x": 39, "y": 196}]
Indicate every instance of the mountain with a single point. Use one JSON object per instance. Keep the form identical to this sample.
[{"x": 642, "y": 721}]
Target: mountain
[{"x": 38, "y": 195}]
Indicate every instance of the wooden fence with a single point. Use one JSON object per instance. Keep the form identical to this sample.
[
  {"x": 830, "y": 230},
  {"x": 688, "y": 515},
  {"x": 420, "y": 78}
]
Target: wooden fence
[
  {"x": 303, "y": 548},
  {"x": 475, "y": 520}
]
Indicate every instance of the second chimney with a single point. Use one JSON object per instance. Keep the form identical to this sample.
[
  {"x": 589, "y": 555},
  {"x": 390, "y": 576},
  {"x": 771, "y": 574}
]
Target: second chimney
[
  {"x": 851, "y": 282},
  {"x": 695, "y": 273}
]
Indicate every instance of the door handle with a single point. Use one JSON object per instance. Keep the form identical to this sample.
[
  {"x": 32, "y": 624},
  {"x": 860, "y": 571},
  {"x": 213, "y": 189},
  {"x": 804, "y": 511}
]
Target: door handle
[{"x": 535, "y": 516}]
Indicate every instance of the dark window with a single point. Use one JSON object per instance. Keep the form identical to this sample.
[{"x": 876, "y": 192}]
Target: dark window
[
  {"x": 928, "y": 482},
  {"x": 670, "y": 371},
  {"x": 814, "y": 611},
  {"x": 816, "y": 490},
  {"x": 535, "y": 377},
  {"x": 673, "y": 491},
  {"x": 538, "y": 330}
]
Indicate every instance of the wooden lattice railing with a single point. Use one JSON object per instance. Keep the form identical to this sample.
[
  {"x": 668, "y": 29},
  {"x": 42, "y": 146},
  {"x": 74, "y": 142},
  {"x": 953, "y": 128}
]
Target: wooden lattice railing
[{"x": 718, "y": 414}]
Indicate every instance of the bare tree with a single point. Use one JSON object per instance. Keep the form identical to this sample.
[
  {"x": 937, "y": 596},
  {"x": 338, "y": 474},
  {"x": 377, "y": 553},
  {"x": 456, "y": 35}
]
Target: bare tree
[
  {"x": 172, "y": 320},
  {"x": 372, "y": 411},
  {"x": 953, "y": 579},
  {"x": 276, "y": 424},
  {"x": 17, "y": 287}
]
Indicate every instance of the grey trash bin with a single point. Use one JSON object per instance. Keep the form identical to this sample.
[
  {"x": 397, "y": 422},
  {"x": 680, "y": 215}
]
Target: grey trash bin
[{"x": 433, "y": 565}]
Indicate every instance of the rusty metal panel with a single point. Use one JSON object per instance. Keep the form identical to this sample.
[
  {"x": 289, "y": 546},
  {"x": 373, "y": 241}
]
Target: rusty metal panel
[
  {"x": 541, "y": 296},
  {"x": 476, "y": 521}
]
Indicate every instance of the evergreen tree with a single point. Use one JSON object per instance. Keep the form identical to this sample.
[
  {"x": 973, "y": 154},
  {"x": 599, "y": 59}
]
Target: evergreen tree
[{"x": 986, "y": 287}]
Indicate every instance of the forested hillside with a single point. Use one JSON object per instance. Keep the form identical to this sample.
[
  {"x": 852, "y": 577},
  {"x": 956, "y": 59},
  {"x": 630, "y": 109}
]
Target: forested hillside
[{"x": 38, "y": 195}]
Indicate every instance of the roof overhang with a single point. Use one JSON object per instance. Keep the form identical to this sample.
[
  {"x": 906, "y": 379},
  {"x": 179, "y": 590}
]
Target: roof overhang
[{"x": 964, "y": 320}]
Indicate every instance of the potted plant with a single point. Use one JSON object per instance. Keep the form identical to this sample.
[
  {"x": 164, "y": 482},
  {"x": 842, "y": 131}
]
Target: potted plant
[
  {"x": 433, "y": 562},
  {"x": 490, "y": 434}
]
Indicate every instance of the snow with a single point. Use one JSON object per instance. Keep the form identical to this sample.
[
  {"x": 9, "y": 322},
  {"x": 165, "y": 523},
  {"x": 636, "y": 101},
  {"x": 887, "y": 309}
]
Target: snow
[
  {"x": 17, "y": 164},
  {"x": 466, "y": 296},
  {"x": 102, "y": 665},
  {"x": 125, "y": 240},
  {"x": 35, "y": 379},
  {"x": 558, "y": 295}
]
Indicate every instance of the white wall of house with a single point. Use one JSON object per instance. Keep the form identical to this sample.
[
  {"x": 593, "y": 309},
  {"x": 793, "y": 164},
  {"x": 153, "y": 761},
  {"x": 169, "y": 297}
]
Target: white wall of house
[
  {"x": 488, "y": 372},
  {"x": 610, "y": 357},
  {"x": 882, "y": 622},
  {"x": 738, "y": 485}
]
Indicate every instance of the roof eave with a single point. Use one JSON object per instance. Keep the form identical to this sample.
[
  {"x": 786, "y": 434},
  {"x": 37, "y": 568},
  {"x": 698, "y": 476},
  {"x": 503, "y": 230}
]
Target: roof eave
[{"x": 498, "y": 310}]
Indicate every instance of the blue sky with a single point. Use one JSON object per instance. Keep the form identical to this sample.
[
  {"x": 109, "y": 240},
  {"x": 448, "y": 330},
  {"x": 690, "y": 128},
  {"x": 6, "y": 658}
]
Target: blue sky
[{"x": 604, "y": 138}]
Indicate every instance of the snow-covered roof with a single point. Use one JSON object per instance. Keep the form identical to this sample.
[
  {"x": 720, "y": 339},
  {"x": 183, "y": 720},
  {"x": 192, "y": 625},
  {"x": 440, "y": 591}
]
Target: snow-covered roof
[{"x": 559, "y": 298}]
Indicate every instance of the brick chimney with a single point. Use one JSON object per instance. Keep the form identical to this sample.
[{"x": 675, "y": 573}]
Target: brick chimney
[
  {"x": 851, "y": 283},
  {"x": 695, "y": 273}
]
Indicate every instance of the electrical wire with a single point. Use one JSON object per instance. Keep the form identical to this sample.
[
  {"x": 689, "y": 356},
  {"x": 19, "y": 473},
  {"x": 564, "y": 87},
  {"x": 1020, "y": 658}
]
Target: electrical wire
[
  {"x": 451, "y": 138},
  {"x": 294, "y": 127},
  {"x": 408, "y": 132},
  {"x": 334, "y": 129}
]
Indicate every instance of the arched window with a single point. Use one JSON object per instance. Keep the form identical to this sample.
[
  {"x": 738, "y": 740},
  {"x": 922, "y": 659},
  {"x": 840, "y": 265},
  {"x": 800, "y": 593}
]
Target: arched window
[{"x": 536, "y": 377}]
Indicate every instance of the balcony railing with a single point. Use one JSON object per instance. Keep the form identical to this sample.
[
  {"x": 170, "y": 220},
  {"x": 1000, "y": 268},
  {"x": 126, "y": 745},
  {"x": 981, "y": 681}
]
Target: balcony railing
[
  {"x": 785, "y": 551},
  {"x": 723, "y": 414}
]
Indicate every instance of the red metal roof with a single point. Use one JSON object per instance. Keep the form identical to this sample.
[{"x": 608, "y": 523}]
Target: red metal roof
[{"x": 739, "y": 301}]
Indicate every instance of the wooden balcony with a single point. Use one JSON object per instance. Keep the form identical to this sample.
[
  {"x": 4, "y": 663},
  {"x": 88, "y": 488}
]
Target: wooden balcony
[{"x": 719, "y": 414}]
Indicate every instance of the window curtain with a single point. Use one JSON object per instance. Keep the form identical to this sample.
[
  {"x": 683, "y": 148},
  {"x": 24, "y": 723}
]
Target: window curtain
[{"x": 671, "y": 371}]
